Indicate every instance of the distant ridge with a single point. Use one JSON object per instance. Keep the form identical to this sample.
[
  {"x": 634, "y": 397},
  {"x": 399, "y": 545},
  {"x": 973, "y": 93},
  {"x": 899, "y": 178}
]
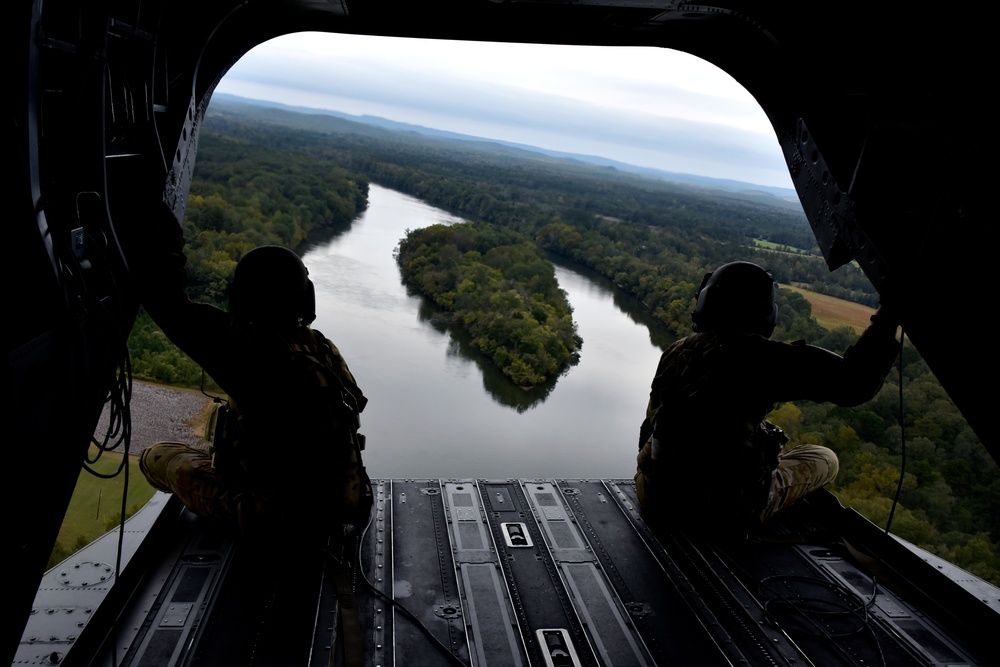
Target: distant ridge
[{"x": 729, "y": 185}]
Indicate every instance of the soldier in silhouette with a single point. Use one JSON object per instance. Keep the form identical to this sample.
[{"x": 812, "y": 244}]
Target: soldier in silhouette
[
  {"x": 285, "y": 447},
  {"x": 709, "y": 460}
]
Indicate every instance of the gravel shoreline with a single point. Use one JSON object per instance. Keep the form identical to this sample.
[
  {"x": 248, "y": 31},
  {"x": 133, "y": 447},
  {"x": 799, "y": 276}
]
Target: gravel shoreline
[{"x": 160, "y": 414}]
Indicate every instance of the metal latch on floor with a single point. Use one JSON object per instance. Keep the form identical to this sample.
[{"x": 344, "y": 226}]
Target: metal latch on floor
[
  {"x": 557, "y": 648},
  {"x": 515, "y": 534}
]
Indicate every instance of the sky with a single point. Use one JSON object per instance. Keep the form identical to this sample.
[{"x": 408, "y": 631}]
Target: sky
[{"x": 643, "y": 106}]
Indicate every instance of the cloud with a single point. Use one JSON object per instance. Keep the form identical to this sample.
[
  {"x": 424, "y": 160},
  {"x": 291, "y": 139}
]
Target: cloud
[{"x": 651, "y": 107}]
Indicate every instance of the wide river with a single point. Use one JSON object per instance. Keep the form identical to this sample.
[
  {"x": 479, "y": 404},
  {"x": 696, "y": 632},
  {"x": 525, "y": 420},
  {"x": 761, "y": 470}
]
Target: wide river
[{"x": 436, "y": 408}]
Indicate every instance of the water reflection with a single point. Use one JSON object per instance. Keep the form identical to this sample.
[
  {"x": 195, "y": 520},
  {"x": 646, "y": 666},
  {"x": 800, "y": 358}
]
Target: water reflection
[
  {"x": 438, "y": 408},
  {"x": 325, "y": 235},
  {"x": 500, "y": 388},
  {"x": 659, "y": 336}
]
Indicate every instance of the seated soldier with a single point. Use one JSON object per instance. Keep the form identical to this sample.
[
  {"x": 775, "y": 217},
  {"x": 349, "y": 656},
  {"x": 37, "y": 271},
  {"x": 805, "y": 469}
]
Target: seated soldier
[
  {"x": 286, "y": 451},
  {"x": 709, "y": 461}
]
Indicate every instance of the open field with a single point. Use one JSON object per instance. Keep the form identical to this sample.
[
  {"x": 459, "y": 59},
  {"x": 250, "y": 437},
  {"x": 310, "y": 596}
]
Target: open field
[
  {"x": 97, "y": 503},
  {"x": 777, "y": 247},
  {"x": 833, "y": 313},
  {"x": 158, "y": 413}
]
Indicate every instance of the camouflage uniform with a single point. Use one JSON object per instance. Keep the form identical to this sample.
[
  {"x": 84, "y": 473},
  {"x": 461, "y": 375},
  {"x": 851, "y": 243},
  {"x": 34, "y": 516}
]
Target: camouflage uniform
[
  {"x": 286, "y": 449},
  {"x": 708, "y": 459}
]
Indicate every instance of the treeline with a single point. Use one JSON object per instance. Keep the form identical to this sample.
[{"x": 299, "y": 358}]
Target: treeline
[
  {"x": 501, "y": 289},
  {"x": 653, "y": 238},
  {"x": 244, "y": 195}
]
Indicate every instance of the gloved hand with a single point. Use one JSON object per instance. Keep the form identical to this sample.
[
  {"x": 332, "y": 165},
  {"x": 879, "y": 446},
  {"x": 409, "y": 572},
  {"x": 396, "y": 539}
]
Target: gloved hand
[{"x": 886, "y": 316}]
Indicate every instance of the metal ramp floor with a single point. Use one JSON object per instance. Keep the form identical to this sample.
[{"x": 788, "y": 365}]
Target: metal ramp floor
[{"x": 543, "y": 572}]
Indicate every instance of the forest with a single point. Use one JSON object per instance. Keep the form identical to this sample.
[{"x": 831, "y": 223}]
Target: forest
[
  {"x": 244, "y": 195},
  {"x": 500, "y": 287},
  {"x": 271, "y": 176}
]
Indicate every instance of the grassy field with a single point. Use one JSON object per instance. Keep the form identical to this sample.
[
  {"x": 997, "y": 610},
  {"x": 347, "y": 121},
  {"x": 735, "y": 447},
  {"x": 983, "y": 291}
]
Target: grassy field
[
  {"x": 833, "y": 313},
  {"x": 776, "y": 247},
  {"x": 96, "y": 504}
]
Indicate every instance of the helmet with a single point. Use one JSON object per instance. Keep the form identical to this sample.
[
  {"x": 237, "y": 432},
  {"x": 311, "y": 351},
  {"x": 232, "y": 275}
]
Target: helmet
[
  {"x": 738, "y": 296},
  {"x": 271, "y": 287}
]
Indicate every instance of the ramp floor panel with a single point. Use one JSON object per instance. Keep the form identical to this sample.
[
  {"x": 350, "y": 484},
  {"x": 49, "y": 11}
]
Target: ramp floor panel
[{"x": 545, "y": 573}]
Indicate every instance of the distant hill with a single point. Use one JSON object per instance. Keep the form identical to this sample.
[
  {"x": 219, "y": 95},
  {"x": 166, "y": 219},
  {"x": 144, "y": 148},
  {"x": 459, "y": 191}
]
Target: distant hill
[{"x": 748, "y": 189}]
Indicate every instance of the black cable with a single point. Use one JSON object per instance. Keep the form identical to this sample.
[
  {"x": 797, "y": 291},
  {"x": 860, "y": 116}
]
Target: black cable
[
  {"x": 451, "y": 657},
  {"x": 902, "y": 436},
  {"x": 902, "y": 472},
  {"x": 119, "y": 430},
  {"x": 810, "y": 616},
  {"x": 119, "y": 396},
  {"x": 215, "y": 399},
  {"x": 800, "y": 613},
  {"x": 118, "y": 400},
  {"x": 813, "y": 606}
]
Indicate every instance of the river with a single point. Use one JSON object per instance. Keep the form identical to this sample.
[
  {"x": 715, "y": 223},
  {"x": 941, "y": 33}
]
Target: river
[{"x": 436, "y": 408}]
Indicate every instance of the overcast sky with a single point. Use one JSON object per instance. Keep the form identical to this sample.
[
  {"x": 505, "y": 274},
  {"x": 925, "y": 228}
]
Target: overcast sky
[{"x": 648, "y": 107}]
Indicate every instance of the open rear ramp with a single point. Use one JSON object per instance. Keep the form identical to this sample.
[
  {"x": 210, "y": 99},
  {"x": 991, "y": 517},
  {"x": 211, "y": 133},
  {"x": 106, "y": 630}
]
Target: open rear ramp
[{"x": 546, "y": 572}]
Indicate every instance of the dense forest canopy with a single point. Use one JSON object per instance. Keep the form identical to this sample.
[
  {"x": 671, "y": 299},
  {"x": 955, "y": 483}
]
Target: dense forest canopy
[
  {"x": 268, "y": 176},
  {"x": 647, "y": 235},
  {"x": 499, "y": 286}
]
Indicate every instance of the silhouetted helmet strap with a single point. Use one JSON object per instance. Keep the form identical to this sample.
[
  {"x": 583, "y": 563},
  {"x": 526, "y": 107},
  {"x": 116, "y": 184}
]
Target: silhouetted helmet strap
[
  {"x": 271, "y": 286},
  {"x": 738, "y": 296}
]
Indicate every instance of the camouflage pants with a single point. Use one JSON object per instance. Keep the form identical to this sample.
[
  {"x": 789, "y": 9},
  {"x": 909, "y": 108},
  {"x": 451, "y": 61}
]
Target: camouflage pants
[
  {"x": 801, "y": 470},
  {"x": 344, "y": 496},
  {"x": 189, "y": 474}
]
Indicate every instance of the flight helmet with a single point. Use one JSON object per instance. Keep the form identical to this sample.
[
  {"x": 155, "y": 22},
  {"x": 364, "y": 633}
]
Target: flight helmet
[
  {"x": 271, "y": 287},
  {"x": 737, "y": 296}
]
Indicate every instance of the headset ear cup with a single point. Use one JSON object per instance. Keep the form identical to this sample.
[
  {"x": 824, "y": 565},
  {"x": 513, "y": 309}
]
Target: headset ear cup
[
  {"x": 704, "y": 281},
  {"x": 700, "y": 300},
  {"x": 309, "y": 306},
  {"x": 772, "y": 321}
]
